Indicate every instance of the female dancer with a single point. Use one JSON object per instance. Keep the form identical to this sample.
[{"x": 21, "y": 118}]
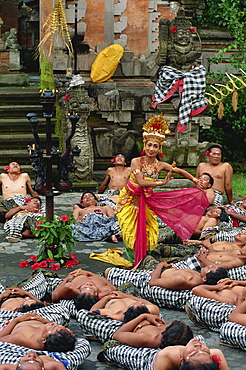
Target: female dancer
[{"x": 138, "y": 204}]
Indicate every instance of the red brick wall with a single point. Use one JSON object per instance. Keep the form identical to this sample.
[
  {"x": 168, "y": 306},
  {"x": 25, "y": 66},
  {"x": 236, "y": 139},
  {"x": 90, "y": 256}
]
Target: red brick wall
[{"x": 9, "y": 15}]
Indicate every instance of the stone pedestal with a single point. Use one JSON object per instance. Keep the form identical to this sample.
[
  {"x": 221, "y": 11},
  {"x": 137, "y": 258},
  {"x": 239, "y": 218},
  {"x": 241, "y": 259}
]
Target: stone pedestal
[{"x": 14, "y": 60}]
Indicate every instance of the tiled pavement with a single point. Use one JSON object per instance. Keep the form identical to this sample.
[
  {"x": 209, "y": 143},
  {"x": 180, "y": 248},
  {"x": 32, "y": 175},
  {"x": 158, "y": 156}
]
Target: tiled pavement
[{"x": 12, "y": 253}]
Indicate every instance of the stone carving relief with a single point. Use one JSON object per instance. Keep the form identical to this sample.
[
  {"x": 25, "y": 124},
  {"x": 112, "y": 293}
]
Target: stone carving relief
[
  {"x": 121, "y": 24},
  {"x": 153, "y": 26}
]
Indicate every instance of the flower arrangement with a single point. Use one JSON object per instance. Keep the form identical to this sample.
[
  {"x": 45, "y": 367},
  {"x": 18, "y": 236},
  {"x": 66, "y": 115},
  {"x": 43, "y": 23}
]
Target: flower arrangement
[{"x": 53, "y": 237}]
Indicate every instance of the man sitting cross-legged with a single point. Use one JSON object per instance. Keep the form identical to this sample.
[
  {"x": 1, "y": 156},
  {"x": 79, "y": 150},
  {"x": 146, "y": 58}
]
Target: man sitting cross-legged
[
  {"x": 82, "y": 285},
  {"x": 36, "y": 332},
  {"x": 123, "y": 307}
]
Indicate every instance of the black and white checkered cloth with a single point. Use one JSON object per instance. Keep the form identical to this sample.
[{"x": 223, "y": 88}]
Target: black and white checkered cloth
[
  {"x": 95, "y": 325},
  {"x": 190, "y": 263},
  {"x": 133, "y": 358},
  {"x": 218, "y": 200},
  {"x": 13, "y": 228},
  {"x": 192, "y": 97},
  {"x": 161, "y": 296},
  {"x": 54, "y": 313},
  {"x": 208, "y": 312},
  {"x": 11, "y": 353},
  {"x": 233, "y": 334}
]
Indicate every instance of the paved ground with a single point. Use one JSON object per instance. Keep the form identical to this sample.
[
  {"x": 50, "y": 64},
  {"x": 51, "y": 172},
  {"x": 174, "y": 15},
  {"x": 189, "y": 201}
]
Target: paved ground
[{"x": 12, "y": 253}]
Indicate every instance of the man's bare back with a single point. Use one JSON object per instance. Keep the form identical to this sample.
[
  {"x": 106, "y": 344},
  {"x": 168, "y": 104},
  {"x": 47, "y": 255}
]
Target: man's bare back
[{"x": 79, "y": 282}]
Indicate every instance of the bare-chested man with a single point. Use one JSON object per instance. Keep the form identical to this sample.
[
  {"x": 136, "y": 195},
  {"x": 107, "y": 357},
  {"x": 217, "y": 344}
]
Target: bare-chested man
[
  {"x": 16, "y": 299},
  {"x": 117, "y": 176},
  {"x": 116, "y": 304},
  {"x": 206, "y": 181},
  {"x": 14, "y": 182},
  {"x": 33, "y": 331},
  {"x": 223, "y": 254},
  {"x": 182, "y": 279},
  {"x": 81, "y": 282},
  {"x": 100, "y": 223},
  {"x": 33, "y": 361},
  {"x": 221, "y": 172},
  {"x": 150, "y": 331},
  {"x": 225, "y": 291},
  {"x": 15, "y": 186},
  {"x": 238, "y": 315}
]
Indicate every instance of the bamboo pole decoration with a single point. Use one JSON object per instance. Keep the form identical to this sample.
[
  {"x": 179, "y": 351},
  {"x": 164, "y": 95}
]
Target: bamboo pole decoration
[{"x": 55, "y": 26}]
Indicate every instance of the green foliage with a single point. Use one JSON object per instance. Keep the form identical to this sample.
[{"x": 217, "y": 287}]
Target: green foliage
[
  {"x": 232, "y": 15},
  {"x": 239, "y": 183},
  {"x": 230, "y": 130},
  {"x": 56, "y": 233}
]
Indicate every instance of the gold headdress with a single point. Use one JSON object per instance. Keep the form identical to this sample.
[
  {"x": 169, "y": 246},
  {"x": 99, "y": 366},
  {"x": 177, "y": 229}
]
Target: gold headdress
[{"x": 156, "y": 128}]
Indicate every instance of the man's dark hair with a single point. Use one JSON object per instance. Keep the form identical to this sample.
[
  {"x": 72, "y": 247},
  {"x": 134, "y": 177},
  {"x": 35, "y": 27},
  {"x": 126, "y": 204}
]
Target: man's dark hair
[
  {"x": 223, "y": 216},
  {"x": 62, "y": 341},
  {"x": 40, "y": 200},
  {"x": 212, "y": 278},
  {"x": 214, "y": 146},
  {"x": 133, "y": 312},
  {"x": 85, "y": 301},
  {"x": 187, "y": 365},
  {"x": 118, "y": 153},
  {"x": 32, "y": 307},
  {"x": 176, "y": 333},
  {"x": 90, "y": 192},
  {"x": 211, "y": 179}
]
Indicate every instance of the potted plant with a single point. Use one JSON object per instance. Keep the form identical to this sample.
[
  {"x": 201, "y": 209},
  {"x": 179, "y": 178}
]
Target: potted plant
[{"x": 55, "y": 237}]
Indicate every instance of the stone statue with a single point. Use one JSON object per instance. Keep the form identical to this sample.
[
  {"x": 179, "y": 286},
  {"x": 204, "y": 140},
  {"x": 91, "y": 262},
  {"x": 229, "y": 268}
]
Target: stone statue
[
  {"x": 10, "y": 39},
  {"x": 176, "y": 45}
]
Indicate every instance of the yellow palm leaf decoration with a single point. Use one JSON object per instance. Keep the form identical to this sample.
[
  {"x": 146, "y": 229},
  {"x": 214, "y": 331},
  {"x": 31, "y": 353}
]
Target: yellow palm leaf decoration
[{"x": 55, "y": 26}]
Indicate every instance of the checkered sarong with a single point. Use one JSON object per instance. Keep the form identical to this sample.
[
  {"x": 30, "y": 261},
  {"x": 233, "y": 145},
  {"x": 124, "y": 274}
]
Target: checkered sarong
[
  {"x": 133, "y": 358},
  {"x": 233, "y": 334},
  {"x": 193, "y": 83},
  {"x": 218, "y": 200},
  {"x": 161, "y": 296},
  {"x": 237, "y": 273},
  {"x": 190, "y": 263},
  {"x": 101, "y": 327},
  {"x": 11, "y": 353},
  {"x": 54, "y": 313},
  {"x": 208, "y": 312},
  {"x": 13, "y": 228}
]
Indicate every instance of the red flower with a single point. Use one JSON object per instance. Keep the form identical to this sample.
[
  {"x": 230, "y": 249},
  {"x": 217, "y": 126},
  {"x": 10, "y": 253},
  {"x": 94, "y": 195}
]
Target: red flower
[
  {"x": 161, "y": 155},
  {"x": 36, "y": 266},
  {"x": 44, "y": 264},
  {"x": 218, "y": 360},
  {"x": 65, "y": 218},
  {"x": 39, "y": 223},
  {"x": 27, "y": 200},
  {"x": 174, "y": 29},
  {"x": 6, "y": 168},
  {"x": 69, "y": 264},
  {"x": 50, "y": 260},
  {"x": 192, "y": 30},
  {"x": 156, "y": 126},
  {"x": 81, "y": 201},
  {"x": 54, "y": 266},
  {"x": 143, "y": 152},
  {"x": 112, "y": 160},
  {"x": 207, "y": 153},
  {"x": 23, "y": 264},
  {"x": 73, "y": 256},
  {"x": 33, "y": 258},
  {"x": 66, "y": 97}
]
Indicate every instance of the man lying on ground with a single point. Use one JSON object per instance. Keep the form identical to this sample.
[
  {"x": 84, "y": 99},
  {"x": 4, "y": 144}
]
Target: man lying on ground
[
  {"x": 81, "y": 284},
  {"x": 146, "y": 329},
  {"x": 225, "y": 291},
  {"x": 194, "y": 355},
  {"x": 36, "y": 332},
  {"x": 16, "y": 299},
  {"x": 21, "y": 220},
  {"x": 123, "y": 307}
]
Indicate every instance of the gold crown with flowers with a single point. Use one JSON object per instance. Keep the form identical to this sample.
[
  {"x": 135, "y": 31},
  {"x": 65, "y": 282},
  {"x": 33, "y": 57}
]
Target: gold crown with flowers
[{"x": 156, "y": 128}]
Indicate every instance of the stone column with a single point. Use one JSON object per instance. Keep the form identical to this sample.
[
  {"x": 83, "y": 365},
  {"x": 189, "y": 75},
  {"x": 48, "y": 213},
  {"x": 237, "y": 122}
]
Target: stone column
[{"x": 109, "y": 22}]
